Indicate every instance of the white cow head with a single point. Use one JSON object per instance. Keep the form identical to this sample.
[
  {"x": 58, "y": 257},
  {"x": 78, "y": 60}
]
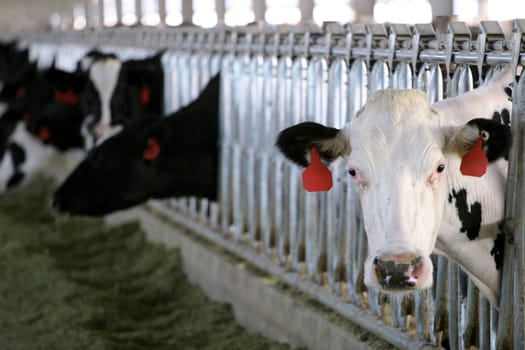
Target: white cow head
[{"x": 403, "y": 161}]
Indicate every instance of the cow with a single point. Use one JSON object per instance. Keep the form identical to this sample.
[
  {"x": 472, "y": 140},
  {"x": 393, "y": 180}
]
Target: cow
[
  {"x": 55, "y": 109},
  {"x": 40, "y": 131},
  {"x": 119, "y": 92},
  {"x": 404, "y": 157},
  {"x": 152, "y": 157}
]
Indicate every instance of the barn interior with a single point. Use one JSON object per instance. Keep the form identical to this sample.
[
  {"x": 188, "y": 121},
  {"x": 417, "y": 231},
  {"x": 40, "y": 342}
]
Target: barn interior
[{"x": 146, "y": 202}]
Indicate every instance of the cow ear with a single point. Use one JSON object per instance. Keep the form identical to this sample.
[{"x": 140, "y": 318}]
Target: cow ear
[
  {"x": 296, "y": 141},
  {"x": 494, "y": 137}
]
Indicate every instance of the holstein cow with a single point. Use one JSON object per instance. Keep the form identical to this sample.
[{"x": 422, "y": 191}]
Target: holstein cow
[
  {"x": 119, "y": 92},
  {"x": 404, "y": 157},
  {"x": 55, "y": 108},
  {"x": 149, "y": 158},
  {"x": 40, "y": 132}
]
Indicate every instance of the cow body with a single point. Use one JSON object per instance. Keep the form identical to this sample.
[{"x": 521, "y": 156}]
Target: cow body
[{"x": 404, "y": 158}]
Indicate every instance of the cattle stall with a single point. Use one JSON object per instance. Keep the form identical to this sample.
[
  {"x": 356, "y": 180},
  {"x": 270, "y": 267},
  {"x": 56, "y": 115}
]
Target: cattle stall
[{"x": 315, "y": 242}]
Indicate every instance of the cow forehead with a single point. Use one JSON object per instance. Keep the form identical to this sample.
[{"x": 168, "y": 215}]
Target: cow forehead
[
  {"x": 392, "y": 107},
  {"x": 396, "y": 125}
]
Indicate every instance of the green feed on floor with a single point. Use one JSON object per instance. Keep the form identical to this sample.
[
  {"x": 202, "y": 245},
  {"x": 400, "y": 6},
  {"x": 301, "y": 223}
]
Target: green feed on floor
[{"x": 72, "y": 283}]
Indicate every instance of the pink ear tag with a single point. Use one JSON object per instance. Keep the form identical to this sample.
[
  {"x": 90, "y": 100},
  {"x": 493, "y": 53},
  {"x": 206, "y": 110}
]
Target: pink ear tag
[
  {"x": 474, "y": 162},
  {"x": 317, "y": 177}
]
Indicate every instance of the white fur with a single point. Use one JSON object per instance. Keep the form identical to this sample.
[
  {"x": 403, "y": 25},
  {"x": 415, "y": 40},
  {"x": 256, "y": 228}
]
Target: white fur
[{"x": 104, "y": 75}]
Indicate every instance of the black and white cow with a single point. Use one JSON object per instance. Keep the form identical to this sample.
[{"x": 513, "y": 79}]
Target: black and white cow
[
  {"x": 41, "y": 128},
  {"x": 149, "y": 158},
  {"x": 56, "y": 108},
  {"x": 404, "y": 157},
  {"x": 119, "y": 92}
]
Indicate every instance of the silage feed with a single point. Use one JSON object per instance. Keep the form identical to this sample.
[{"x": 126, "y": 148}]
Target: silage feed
[{"x": 73, "y": 283}]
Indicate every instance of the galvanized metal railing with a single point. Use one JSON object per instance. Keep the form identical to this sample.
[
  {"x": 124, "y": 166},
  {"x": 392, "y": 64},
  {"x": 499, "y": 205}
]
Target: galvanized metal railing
[{"x": 276, "y": 77}]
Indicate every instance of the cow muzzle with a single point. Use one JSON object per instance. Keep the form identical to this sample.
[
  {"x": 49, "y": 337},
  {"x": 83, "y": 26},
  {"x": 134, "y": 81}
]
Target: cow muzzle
[{"x": 401, "y": 272}]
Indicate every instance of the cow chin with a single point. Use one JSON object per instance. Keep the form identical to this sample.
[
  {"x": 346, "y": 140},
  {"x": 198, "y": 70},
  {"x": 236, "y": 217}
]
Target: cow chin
[{"x": 398, "y": 273}]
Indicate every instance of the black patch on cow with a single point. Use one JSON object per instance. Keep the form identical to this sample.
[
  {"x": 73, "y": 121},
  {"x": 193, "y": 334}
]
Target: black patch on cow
[
  {"x": 508, "y": 91},
  {"x": 502, "y": 117},
  {"x": 19, "y": 157},
  {"x": 499, "y": 136},
  {"x": 187, "y": 165},
  {"x": 14, "y": 180},
  {"x": 295, "y": 141},
  {"x": 498, "y": 250},
  {"x": 470, "y": 217},
  {"x": 18, "y": 154}
]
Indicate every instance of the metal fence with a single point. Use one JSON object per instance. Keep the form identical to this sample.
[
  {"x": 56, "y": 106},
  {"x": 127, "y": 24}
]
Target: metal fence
[{"x": 276, "y": 77}]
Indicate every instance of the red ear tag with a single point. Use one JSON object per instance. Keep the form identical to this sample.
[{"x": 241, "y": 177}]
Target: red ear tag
[
  {"x": 474, "y": 162},
  {"x": 317, "y": 177},
  {"x": 68, "y": 97},
  {"x": 152, "y": 149},
  {"x": 145, "y": 95},
  {"x": 44, "y": 134}
]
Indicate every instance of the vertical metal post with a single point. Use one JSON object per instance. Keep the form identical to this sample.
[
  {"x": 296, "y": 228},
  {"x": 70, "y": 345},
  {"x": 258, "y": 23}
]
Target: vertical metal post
[
  {"x": 282, "y": 201},
  {"x": 227, "y": 112},
  {"x": 162, "y": 11},
  {"x": 187, "y": 12},
  {"x": 138, "y": 10}
]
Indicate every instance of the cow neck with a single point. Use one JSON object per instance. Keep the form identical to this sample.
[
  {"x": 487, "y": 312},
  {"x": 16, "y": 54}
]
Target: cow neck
[
  {"x": 200, "y": 118},
  {"x": 474, "y": 206}
]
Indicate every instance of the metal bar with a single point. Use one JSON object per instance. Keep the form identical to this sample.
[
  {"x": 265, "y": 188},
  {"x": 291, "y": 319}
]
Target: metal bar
[{"x": 353, "y": 313}]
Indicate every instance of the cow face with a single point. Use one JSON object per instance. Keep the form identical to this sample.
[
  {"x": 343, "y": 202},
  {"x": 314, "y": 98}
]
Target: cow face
[
  {"x": 398, "y": 157},
  {"x": 151, "y": 157},
  {"x": 97, "y": 97},
  {"x": 142, "y": 161},
  {"x": 59, "y": 119}
]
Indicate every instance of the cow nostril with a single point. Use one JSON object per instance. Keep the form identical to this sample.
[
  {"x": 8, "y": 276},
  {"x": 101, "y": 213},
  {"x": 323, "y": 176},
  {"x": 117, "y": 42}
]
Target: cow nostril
[{"x": 398, "y": 272}]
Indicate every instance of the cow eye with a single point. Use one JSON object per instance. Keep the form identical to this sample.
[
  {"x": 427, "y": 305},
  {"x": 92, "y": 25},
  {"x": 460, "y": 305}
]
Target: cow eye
[
  {"x": 352, "y": 172},
  {"x": 440, "y": 168}
]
